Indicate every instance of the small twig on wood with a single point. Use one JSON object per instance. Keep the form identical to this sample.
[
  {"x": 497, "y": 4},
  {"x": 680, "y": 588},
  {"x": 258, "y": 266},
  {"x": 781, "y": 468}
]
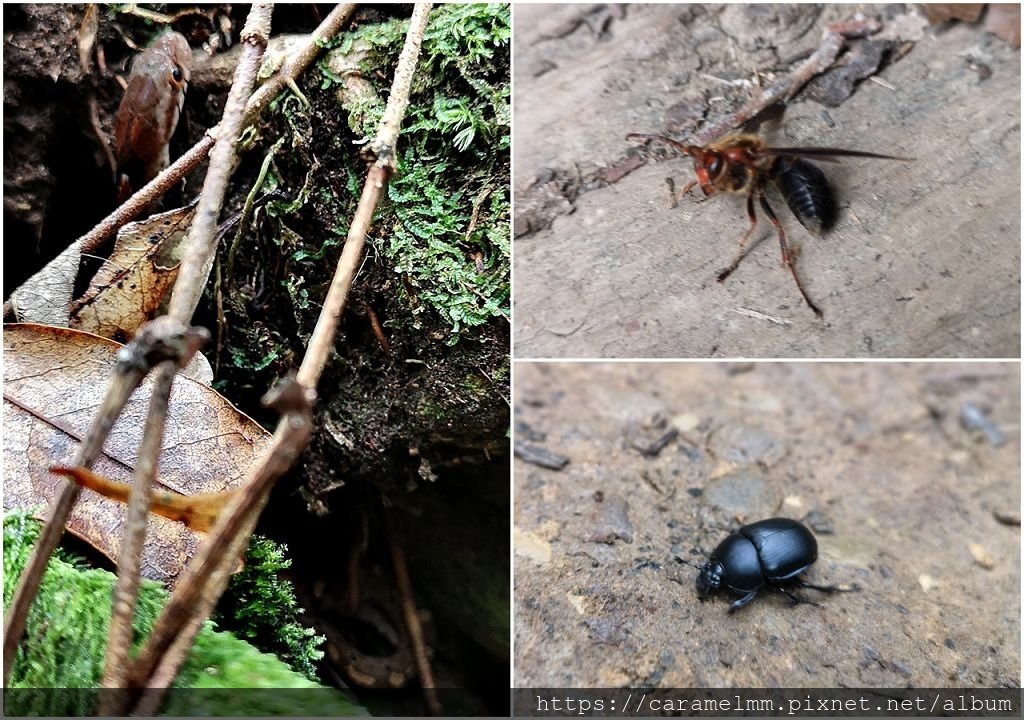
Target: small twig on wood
[
  {"x": 832, "y": 42},
  {"x": 159, "y": 340},
  {"x": 761, "y": 316},
  {"x": 412, "y": 624}
]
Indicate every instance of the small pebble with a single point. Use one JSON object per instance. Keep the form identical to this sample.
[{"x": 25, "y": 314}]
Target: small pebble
[
  {"x": 529, "y": 545},
  {"x": 981, "y": 556},
  {"x": 577, "y": 602},
  {"x": 1007, "y": 517},
  {"x": 901, "y": 668},
  {"x": 974, "y": 418},
  {"x": 538, "y": 455},
  {"x": 687, "y": 422},
  {"x": 819, "y": 522}
]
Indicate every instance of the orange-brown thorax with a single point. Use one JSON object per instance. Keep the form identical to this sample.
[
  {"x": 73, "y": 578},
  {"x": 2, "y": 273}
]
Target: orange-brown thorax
[
  {"x": 150, "y": 108},
  {"x": 731, "y": 164}
]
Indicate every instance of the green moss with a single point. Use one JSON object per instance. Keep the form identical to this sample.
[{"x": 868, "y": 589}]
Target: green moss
[
  {"x": 448, "y": 221},
  {"x": 477, "y": 385},
  {"x": 260, "y": 607},
  {"x": 433, "y": 411},
  {"x": 66, "y": 638}
]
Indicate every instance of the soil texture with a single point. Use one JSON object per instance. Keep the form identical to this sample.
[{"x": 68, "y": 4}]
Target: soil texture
[{"x": 908, "y": 475}]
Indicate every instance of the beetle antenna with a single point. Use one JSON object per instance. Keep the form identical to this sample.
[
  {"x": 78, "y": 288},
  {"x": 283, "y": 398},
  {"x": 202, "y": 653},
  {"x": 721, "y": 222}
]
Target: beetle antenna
[
  {"x": 686, "y": 562},
  {"x": 693, "y": 551}
]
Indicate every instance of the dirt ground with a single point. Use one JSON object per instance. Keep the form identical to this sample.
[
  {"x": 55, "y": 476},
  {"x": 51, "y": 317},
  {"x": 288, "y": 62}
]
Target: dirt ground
[
  {"x": 924, "y": 259},
  {"x": 918, "y": 510}
]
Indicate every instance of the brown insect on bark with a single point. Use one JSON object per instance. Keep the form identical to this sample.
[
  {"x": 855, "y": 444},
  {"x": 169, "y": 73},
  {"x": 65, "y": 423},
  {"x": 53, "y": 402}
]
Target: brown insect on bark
[{"x": 745, "y": 164}]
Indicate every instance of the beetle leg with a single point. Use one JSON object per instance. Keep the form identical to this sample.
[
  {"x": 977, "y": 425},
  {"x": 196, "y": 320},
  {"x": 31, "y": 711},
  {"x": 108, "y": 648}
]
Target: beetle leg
[
  {"x": 798, "y": 599},
  {"x": 742, "y": 601},
  {"x": 787, "y": 256},
  {"x": 743, "y": 240},
  {"x": 829, "y": 588}
]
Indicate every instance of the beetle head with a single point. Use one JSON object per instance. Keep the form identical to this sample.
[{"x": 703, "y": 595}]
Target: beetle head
[{"x": 710, "y": 578}]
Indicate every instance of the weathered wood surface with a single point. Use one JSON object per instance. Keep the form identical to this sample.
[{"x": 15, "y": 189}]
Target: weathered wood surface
[{"x": 924, "y": 260}]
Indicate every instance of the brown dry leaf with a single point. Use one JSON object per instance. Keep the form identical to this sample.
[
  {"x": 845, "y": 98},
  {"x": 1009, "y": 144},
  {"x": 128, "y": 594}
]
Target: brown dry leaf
[
  {"x": 1003, "y": 21},
  {"x": 130, "y": 287},
  {"x": 45, "y": 297},
  {"x": 54, "y": 380}
]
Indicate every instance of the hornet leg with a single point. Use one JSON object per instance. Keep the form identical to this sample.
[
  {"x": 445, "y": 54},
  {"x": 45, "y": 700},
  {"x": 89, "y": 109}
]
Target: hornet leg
[
  {"x": 743, "y": 240},
  {"x": 787, "y": 256}
]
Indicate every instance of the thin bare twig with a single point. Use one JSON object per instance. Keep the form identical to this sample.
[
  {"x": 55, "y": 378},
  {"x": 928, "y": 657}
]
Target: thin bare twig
[
  {"x": 192, "y": 276},
  {"x": 94, "y": 123},
  {"x": 300, "y": 59},
  {"x": 206, "y": 577},
  {"x": 383, "y": 147},
  {"x": 200, "y": 245},
  {"x": 129, "y": 557},
  {"x": 832, "y": 42},
  {"x": 761, "y": 316},
  {"x": 150, "y": 15},
  {"x": 378, "y": 329},
  {"x": 130, "y": 208},
  {"x": 412, "y": 624},
  {"x": 149, "y": 193}
]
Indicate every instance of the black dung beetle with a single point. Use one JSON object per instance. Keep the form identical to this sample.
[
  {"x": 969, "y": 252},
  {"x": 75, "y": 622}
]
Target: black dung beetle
[{"x": 772, "y": 552}]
